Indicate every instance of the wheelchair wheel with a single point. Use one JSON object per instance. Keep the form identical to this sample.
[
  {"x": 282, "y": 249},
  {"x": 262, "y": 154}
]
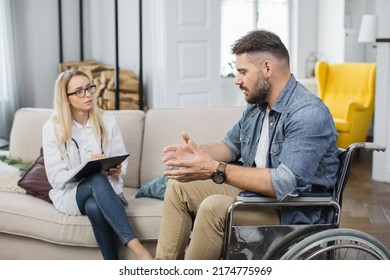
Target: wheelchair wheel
[{"x": 338, "y": 244}]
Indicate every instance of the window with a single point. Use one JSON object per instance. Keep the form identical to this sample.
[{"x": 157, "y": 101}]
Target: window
[
  {"x": 240, "y": 16},
  {"x": 3, "y": 46},
  {"x": 8, "y": 79}
]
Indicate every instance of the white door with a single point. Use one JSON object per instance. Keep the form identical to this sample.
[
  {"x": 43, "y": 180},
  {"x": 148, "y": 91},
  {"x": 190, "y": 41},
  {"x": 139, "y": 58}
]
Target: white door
[{"x": 185, "y": 53}]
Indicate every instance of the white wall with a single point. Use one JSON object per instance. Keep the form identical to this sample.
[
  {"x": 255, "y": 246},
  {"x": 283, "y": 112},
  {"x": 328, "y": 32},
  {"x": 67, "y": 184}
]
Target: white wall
[
  {"x": 102, "y": 35},
  {"x": 154, "y": 61},
  {"x": 37, "y": 45},
  {"x": 303, "y": 39},
  {"x": 331, "y": 30},
  {"x": 381, "y": 162}
]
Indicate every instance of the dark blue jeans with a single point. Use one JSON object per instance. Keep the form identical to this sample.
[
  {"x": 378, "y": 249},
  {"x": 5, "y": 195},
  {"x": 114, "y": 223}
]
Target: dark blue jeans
[{"x": 97, "y": 199}]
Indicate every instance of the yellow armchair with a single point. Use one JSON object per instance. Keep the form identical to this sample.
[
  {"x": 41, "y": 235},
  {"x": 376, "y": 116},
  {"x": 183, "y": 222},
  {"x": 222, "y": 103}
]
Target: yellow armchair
[{"x": 348, "y": 89}]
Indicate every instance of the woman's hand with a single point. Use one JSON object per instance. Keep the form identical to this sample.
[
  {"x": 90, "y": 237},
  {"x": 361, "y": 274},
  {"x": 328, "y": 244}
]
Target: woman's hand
[
  {"x": 114, "y": 171},
  {"x": 97, "y": 156}
]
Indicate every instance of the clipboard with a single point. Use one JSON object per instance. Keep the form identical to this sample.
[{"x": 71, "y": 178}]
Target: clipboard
[{"x": 97, "y": 166}]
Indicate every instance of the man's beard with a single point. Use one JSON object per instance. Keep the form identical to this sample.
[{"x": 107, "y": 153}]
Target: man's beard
[{"x": 260, "y": 93}]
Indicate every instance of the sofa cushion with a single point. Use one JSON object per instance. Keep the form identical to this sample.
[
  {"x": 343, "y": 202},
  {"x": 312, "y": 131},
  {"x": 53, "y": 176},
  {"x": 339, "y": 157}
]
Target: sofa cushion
[
  {"x": 25, "y": 215},
  {"x": 163, "y": 127},
  {"x": 131, "y": 123},
  {"x": 26, "y": 133}
]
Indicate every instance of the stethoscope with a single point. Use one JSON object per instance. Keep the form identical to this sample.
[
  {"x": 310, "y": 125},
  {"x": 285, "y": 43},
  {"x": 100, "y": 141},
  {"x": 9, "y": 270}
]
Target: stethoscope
[{"x": 78, "y": 149}]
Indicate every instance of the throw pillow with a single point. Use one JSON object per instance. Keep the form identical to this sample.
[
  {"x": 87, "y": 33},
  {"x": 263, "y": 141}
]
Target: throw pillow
[
  {"x": 9, "y": 177},
  {"x": 154, "y": 189},
  {"x": 35, "y": 181}
]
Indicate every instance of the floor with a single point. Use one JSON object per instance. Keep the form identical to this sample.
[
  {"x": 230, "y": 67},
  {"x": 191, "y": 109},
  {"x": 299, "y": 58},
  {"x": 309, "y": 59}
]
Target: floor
[{"x": 366, "y": 203}]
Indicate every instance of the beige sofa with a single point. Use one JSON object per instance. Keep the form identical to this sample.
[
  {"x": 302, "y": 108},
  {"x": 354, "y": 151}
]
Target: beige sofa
[{"x": 31, "y": 228}]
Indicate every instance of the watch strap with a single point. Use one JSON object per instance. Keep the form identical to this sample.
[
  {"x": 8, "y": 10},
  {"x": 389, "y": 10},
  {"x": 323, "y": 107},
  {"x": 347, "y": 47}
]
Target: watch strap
[{"x": 222, "y": 166}]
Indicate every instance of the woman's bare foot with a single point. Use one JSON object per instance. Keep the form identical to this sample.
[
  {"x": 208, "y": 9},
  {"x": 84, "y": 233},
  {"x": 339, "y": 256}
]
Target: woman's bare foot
[{"x": 138, "y": 250}]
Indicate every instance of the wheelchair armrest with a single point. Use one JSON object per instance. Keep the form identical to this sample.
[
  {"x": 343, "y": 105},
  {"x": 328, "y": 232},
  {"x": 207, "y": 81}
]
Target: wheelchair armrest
[
  {"x": 246, "y": 196},
  {"x": 310, "y": 198}
]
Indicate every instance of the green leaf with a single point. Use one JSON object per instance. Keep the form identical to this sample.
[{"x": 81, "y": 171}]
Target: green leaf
[{"x": 22, "y": 166}]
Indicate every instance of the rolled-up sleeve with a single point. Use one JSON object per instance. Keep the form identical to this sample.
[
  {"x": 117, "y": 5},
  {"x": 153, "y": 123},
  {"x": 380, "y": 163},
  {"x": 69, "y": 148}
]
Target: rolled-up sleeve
[
  {"x": 234, "y": 149},
  {"x": 284, "y": 181}
]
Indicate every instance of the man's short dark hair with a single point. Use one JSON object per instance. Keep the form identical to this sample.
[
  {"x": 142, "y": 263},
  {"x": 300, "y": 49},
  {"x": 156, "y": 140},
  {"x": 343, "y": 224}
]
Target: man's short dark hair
[{"x": 261, "y": 41}]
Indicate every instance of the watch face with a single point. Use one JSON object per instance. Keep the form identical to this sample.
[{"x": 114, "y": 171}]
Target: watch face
[{"x": 218, "y": 177}]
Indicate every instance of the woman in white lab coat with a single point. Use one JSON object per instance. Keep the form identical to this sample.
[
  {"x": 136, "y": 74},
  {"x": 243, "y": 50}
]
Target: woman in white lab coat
[{"x": 77, "y": 132}]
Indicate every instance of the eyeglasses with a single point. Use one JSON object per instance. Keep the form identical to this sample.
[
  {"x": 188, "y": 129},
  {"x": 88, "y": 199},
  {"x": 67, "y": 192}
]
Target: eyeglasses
[{"x": 83, "y": 91}]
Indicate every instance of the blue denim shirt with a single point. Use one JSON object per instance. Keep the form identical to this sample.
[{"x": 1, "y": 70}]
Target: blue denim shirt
[{"x": 302, "y": 151}]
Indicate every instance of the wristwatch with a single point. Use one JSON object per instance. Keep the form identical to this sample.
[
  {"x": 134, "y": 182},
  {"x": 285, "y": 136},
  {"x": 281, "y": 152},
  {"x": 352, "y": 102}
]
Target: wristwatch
[{"x": 219, "y": 175}]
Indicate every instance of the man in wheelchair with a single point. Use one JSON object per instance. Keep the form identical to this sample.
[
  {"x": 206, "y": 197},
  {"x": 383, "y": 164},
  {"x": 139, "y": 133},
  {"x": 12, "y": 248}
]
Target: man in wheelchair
[{"x": 285, "y": 140}]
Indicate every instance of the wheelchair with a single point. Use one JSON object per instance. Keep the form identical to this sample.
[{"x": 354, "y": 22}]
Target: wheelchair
[{"x": 303, "y": 241}]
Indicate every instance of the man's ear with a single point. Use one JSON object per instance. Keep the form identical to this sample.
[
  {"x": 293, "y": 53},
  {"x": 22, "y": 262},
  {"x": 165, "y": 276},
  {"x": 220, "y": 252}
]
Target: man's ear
[{"x": 267, "y": 69}]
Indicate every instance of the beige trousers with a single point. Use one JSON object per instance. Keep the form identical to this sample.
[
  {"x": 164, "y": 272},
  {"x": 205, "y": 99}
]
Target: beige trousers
[{"x": 198, "y": 210}]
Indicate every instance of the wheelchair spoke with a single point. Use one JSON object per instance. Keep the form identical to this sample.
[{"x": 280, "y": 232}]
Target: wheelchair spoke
[
  {"x": 344, "y": 251},
  {"x": 339, "y": 244}
]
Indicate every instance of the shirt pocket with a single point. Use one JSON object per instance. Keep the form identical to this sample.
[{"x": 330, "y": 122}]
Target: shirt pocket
[
  {"x": 245, "y": 138},
  {"x": 245, "y": 141}
]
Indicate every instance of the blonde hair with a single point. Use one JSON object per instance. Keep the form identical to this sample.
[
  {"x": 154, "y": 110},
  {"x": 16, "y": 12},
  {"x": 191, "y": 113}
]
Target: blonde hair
[{"x": 63, "y": 113}]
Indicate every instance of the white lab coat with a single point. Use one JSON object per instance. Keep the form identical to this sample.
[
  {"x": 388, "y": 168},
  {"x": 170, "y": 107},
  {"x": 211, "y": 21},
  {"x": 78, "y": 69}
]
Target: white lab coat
[{"x": 61, "y": 165}]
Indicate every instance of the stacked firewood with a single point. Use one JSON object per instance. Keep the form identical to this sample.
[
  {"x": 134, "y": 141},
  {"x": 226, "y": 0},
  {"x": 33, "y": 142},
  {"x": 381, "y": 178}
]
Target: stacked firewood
[{"x": 103, "y": 76}]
